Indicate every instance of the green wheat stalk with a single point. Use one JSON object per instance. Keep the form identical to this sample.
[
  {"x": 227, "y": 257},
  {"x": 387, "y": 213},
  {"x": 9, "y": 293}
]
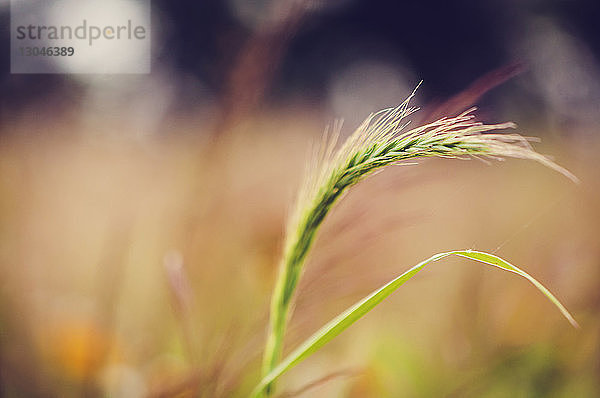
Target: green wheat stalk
[{"x": 380, "y": 141}]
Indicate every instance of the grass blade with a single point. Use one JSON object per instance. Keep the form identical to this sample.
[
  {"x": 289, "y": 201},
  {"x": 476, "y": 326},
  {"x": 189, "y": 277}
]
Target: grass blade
[
  {"x": 358, "y": 310},
  {"x": 496, "y": 261}
]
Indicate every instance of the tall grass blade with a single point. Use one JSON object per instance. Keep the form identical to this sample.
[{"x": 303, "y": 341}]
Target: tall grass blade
[
  {"x": 358, "y": 310},
  {"x": 496, "y": 261}
]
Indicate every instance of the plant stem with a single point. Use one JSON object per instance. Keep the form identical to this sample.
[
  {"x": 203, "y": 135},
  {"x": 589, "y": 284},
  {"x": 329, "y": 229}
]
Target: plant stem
[
  {"x": 290, "y": 269},
  {"x": 277, "y": 326}
]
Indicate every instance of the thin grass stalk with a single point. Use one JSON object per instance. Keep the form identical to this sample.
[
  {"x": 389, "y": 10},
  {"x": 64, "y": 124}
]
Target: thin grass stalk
[{"x": 378, "y": 142}]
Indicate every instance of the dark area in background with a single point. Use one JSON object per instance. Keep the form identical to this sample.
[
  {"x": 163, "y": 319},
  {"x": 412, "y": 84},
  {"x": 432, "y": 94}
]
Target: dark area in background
[{"x": 449, "y": 44}]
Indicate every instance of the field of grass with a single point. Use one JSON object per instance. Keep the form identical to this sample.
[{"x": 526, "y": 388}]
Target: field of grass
[{"x": 144, "y": 267}]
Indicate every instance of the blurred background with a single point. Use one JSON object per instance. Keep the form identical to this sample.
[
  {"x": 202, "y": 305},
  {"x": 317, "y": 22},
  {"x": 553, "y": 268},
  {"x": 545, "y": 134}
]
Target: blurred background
[{"x": 142, "y": 216}]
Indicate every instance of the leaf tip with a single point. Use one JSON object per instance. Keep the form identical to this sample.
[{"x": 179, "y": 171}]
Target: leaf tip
[{"x": 573, "y": 322}]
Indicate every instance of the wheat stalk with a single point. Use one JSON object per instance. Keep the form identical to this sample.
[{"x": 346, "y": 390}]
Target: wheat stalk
[{"x": 381, "y": 140}]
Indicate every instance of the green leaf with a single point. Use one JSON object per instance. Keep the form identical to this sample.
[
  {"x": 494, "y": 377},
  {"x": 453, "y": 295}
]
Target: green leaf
[
  {"x": 505, "y": 265},
  {"x": 358, "y": 310}
]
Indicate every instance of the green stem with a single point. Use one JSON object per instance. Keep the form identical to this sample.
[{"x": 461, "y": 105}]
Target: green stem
[
  {"x": 277, "y": 325},
  {"x": 287, "y": 280},
  {"x": 288, "y": 276}
]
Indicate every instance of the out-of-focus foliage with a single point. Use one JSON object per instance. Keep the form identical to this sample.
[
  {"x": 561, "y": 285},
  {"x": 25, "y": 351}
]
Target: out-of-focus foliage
[{"x": 89, "y": 305}]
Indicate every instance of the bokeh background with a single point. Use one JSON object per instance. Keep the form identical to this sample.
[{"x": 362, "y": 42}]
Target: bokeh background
[{"x": 142, "y": 216}]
